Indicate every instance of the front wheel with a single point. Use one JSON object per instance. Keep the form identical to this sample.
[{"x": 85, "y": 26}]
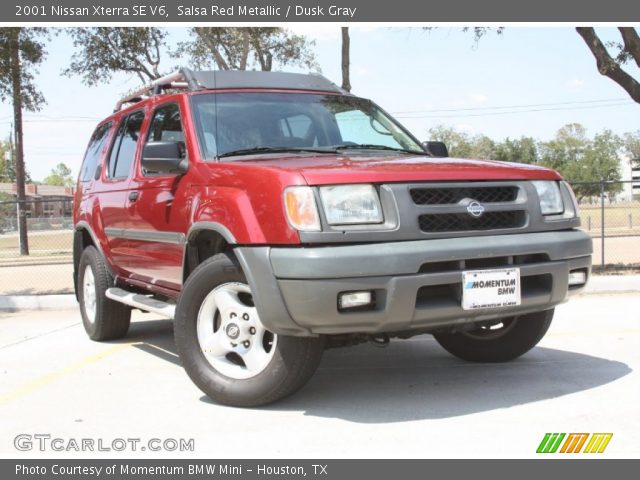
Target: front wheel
[
  {"x": 499, "y": 342},
  {"x": 225, "y": 348}
]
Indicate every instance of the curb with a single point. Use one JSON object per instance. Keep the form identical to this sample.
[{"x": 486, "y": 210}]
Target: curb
[
  {"x": 598, "y": 284},
  {"x": 15, "y": 303}
]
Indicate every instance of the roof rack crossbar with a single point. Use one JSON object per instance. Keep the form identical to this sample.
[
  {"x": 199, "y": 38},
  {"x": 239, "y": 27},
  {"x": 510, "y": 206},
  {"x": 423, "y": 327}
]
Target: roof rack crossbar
[{"x": 181, "y": 79}]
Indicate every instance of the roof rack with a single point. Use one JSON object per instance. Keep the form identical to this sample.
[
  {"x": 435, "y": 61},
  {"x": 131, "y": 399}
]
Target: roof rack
[
  {"x": 181, "y": 79},
  {"x": 228, "y": 79}
]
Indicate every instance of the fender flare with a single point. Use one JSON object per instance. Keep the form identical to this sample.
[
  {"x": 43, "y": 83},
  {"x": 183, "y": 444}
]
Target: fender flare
[
  {"x": 79, "y": 227},
  {"x": 214, "y": 226},
  {"x": 82, "y": 225},
  {"x": 197, "y": 227}
]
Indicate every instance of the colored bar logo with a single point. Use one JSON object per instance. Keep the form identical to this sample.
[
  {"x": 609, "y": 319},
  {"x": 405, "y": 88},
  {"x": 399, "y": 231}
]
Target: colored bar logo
[{"x": 574, "y": 442}]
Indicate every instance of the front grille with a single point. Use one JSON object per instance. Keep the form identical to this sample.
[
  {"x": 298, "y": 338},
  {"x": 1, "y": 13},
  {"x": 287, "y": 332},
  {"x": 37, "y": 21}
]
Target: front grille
[
  {"x": 453, "y": 195},
  {"x": 460, "y": 222}
]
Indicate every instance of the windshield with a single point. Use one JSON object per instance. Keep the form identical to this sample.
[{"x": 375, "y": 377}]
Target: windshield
[{"x": 245, "y": 123}]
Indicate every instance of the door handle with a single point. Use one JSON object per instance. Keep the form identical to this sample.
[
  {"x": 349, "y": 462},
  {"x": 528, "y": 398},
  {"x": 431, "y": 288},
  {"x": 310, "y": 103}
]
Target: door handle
[{"x": 133, "y": 196}]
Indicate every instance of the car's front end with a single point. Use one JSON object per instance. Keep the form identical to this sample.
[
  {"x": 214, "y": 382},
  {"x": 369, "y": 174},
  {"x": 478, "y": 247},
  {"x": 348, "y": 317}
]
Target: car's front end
[{"x": 419, "y": 256}]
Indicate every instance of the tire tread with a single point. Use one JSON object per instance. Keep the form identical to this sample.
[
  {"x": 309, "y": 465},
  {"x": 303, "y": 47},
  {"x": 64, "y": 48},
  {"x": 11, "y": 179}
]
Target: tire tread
[{"x": 112, "y": 318}]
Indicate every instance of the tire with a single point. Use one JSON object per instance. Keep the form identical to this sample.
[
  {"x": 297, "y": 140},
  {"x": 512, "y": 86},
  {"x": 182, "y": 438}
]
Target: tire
[
  {"x": 512, "y": 338},
  {"x": 103, "y": 318},
  {"x": 225, "y": 349}
]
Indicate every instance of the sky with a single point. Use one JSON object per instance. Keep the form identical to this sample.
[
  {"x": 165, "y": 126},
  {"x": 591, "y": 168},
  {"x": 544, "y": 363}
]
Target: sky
[{"x": 527, "y": 81}]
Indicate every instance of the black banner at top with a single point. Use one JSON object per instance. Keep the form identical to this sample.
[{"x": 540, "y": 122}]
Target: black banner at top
[{"x": 271, "y": 11}]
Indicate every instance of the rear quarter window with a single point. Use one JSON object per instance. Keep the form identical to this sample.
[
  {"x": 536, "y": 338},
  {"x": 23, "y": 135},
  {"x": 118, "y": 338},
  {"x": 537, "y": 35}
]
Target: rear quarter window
[{"x": 96, "y": 147}]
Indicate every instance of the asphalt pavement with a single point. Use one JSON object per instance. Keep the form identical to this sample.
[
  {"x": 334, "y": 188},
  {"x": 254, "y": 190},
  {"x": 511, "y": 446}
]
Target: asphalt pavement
[{"x": 411, "y": 399}]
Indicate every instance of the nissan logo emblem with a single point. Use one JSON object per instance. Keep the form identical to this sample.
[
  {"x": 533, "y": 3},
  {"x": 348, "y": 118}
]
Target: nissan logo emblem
[
  {"x": 475, "y": 209},
  {"x": 233, "y": 331}
]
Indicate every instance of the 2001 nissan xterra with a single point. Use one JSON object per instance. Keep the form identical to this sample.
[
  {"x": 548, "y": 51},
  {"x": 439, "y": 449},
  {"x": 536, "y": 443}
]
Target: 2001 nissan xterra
[{"x": 273, "y": 215}]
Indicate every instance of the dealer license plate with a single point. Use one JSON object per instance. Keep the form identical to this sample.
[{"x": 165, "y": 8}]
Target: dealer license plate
[{"x": 490, "y": 288}]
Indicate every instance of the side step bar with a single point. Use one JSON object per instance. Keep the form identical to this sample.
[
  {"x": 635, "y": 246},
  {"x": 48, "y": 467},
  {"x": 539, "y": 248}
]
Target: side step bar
[{"x": 142, "y": 302}]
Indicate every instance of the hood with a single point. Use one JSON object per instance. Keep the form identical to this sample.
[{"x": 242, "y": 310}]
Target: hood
[{"x": 357, "y": 168}]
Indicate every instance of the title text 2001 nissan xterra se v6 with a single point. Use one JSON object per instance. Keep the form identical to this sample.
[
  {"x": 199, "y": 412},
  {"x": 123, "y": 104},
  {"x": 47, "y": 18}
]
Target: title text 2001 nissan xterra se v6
[{"x": 273, "y": 215}]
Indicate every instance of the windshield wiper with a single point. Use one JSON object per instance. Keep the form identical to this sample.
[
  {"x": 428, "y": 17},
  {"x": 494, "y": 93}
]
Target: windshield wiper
[
  {"x": 371, "y": 146},
  {"x": 259, "y": 150}
]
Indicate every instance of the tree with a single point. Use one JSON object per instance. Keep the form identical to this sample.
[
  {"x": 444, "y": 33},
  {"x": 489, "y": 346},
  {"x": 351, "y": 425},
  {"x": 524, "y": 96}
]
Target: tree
[
  {"x": 103, "y": 51},
  {"x": 483, "y": 147},
  {"x": 580, "y": 159},
  {"x": 566, "y": 149},
  {"x": 59, "y": 176},
  {"x": 7, "y": 164},
  {"x": 7, "y": 212},
  {"x": 237, "y": 48},
  {"x": 463, "y": 145},
  {"x": 459, "y": 144},
  {"x": 21, "y": 51},
  {"x": 7, "y": 169},
  {"x": 627, "y": 50},
  {"x": 523, "y": 150},
  {"x": 346, "y": 59}
]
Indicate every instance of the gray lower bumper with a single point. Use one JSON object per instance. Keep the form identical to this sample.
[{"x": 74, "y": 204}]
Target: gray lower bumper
[{"x": 417, "y": 283}]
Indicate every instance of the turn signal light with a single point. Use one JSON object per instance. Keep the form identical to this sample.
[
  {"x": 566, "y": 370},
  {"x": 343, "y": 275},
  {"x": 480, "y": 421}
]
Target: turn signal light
[{"x": 300, "y": 205}]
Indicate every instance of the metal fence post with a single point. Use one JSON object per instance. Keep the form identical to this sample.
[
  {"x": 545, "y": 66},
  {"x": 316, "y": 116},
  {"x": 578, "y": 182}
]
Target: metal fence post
[{"x": 602, "y": 222}]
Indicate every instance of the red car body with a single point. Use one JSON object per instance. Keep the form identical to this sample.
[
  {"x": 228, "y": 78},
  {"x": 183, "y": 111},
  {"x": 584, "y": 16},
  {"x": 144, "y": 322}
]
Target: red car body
[{"x": 254, "y": 216}]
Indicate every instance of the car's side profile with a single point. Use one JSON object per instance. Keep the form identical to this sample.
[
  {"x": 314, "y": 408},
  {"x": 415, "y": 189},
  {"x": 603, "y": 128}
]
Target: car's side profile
[{"x": 272, "y": 215}]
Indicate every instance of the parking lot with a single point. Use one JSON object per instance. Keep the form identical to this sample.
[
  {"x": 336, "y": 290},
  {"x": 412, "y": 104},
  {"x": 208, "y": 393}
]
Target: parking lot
[{"x": 410, "y": 399}]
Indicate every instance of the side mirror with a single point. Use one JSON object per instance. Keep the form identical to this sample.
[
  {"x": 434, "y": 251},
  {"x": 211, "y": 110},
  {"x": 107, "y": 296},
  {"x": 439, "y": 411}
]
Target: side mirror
[
  {"x": 436, "y": 149},
  {"x": 164, "y": 157}
]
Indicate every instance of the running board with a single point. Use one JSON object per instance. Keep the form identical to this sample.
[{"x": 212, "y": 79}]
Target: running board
[{"x": 142, "y": 302}]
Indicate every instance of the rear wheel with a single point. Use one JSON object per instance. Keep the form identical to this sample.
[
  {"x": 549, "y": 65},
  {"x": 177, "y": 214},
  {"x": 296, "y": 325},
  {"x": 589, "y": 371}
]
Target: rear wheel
[
  {"x": 103, "y": 319},
  {"x": 225, "y": 348},
  {"x": 505, "y": 340}
]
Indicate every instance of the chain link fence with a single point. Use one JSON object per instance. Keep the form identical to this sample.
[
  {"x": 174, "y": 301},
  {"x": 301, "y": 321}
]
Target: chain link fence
[
  {"x": 49, "y": 229},
  {"x": 47, "y": 269},
  {"x": 610, "y": 213}
]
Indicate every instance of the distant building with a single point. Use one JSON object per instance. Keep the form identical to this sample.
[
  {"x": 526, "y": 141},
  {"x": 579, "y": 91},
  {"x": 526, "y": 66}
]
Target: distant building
[
  {"x": 626, "y": 194},
  {"x": 44, "y": 201}
]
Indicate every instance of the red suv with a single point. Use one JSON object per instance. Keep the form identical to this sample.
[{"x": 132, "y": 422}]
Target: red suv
[{"x": 273, "y": 215}]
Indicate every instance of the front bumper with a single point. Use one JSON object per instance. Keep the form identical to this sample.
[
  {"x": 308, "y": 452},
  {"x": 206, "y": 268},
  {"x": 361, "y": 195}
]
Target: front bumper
[{"x": 417, "y": 284}]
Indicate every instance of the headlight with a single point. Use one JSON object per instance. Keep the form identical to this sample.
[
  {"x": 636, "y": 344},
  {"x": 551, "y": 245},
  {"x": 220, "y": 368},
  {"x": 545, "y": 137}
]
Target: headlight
[
  {"x": 549, "y": 196},
  {"x": 351, "y": 204},
  {"x": 300, "y": 205},
  {"x": 570, "y": 202}
]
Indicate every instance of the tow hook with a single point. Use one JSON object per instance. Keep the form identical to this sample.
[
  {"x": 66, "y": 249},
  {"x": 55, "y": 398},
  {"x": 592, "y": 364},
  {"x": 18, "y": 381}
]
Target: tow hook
[{"x": 379, "y": 340}]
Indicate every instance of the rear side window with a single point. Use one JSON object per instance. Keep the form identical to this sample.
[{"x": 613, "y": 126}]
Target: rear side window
[
  {"x": 123, "y": 150},
  {"x": 94, "y": 152}
]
